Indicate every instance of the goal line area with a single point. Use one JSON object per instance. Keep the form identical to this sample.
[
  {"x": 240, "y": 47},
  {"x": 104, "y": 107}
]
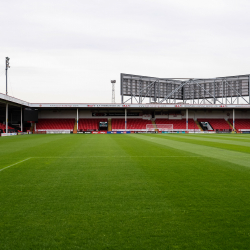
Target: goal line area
[{"x": 159, "y": 127}]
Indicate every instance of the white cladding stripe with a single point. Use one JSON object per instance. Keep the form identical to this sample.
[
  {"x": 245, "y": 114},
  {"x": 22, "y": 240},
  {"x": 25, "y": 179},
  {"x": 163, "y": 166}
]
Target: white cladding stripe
[
  {"x": 105, "y": 105},
  {"x": 121, "y": 105}
]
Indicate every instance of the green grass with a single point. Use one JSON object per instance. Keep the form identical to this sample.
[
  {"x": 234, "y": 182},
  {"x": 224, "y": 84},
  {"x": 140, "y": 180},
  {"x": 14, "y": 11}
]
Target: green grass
[{"x": 138, "y": 191}]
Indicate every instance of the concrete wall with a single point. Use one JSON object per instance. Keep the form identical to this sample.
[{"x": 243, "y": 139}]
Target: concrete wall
[
  {"x": 219, "y": 114},
  {"x": 86, "y": 114},
  {"x": 71, "y": 113},
  {"x": 56, "y": 114}
]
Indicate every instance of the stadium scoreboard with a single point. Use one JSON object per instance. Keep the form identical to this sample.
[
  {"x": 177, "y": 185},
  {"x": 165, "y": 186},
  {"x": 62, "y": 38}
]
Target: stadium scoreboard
[
  {"x": 30, "y": 114},
  {"x": 103, "y": 124}
]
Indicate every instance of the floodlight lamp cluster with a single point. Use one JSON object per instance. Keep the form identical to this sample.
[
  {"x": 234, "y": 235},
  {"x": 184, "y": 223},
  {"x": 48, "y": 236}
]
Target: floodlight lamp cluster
[{"x": 7, "y": 63}]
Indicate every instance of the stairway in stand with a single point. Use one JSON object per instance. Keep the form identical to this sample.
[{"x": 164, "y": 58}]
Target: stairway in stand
[
  {"x": 198, "y": 125},
  {"x": 75, "y": 128},
  {"x": 230, "y": 124},
  {"x": 32, "y": 128},
  {"x": 155, "y": 126},
  {"x": 109, "y": 125}
]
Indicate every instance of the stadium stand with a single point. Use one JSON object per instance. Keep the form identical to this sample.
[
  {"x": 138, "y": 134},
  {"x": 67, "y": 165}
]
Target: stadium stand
[
  {"x": 90, "y": 124},
  {"x": 3, "y": 127},
  {"x": 55, "y": 124},
  {"x": 178, "y": 124},
  {"x": 216, "y": 124},
  {"x": 132, "y": 124},
  {"x": 241, "y": 124}
]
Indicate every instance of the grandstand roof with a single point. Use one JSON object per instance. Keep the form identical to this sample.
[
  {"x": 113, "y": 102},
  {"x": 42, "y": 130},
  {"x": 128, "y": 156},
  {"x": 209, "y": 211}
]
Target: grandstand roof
[
  {"x": 17, "y": 102},
  {"x": 12, "y": 100}
]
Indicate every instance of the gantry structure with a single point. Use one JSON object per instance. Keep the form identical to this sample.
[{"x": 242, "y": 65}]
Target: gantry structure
[{"x": 219, "y": 90}]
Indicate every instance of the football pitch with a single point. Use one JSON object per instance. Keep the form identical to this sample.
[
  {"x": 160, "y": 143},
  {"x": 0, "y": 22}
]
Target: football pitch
[{"x": 134, "y": 191}]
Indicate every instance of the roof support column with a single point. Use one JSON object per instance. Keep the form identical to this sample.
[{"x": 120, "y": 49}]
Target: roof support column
[
  {"x": 7, "y": 119},
  {"x": 249, "y": 88},
  {"x": 77, "y": 119},
  {"x": 194, "y": 121},
  {"x": 233, "y": 119},
  {"x": 21, "y": 119},
  {"x": 186, "y": 119},
  {"x": 125, "y": 119}
]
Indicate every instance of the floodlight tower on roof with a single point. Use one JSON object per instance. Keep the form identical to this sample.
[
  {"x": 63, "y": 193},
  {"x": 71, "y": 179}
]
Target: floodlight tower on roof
[
  {"x": 7, "y": 66},
  {"x": 113, "y": 90}
]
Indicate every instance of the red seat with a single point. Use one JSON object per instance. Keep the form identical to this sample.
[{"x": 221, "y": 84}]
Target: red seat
[
  {"x": 56, "y": 124},
  {"x": 132, "y": 123},
  {"x": 3, "y": 127},
  {"x": 241, "y": 123},
  {"x": 90, "y": 124},
  {"x": 216, "y": 123},
  {"x": 178, "y": 124}
]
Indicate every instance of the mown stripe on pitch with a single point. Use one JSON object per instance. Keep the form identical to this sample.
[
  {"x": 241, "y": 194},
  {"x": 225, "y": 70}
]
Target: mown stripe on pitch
[
  {"x": 221, "y": 140},
  {"x": 235, "y": 157}
]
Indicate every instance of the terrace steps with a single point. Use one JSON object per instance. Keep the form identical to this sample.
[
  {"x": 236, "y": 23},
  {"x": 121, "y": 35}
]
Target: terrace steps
[
  {"x": 32, "y": 128},
  {"x": 230, "y": 124},
  {"x": 155, "y": 126},
  {"x": 109, "y": 124},
  {"x": 75, "y": 127},
  {"x": 198, "y": 125}
]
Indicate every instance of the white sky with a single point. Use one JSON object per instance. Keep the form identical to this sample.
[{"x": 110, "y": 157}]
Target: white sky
[{"x": 69, "y": 50}]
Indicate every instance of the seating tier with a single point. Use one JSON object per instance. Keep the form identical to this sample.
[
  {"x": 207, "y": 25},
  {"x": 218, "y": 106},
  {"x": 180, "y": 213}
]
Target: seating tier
[
  {"x": 131, "y": 123},
  {"x": 3, "y": 127},
  {"x": 55, "y": 124},
  {"x": 178, "y": 124},
  {"x": 216, "y": 123},
  {"x": 90, "y": 124},
  {"x": 241, "y": 123}
]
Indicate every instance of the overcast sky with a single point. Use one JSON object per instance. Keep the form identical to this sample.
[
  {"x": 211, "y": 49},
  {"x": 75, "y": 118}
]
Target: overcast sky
[{"x": 69, "y": 50}]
